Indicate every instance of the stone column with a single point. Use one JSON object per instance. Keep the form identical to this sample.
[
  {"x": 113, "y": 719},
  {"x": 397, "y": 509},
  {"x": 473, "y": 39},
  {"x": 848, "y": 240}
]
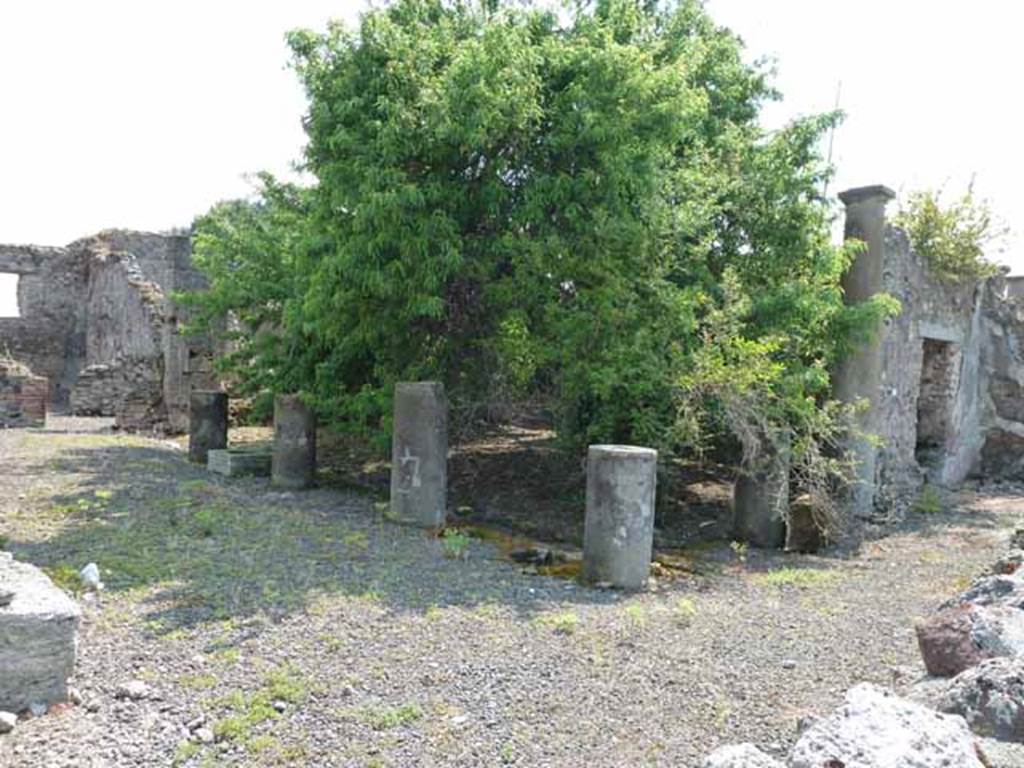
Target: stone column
[
  {"x": 619, "y": 526},
  {"x": 207, "y": 424},
  {"x": 294, "y": 462},
  {"x": 419, "y": 454},
  {"x": 759, "y": 501},
  {"x": 859, "y": 375}
]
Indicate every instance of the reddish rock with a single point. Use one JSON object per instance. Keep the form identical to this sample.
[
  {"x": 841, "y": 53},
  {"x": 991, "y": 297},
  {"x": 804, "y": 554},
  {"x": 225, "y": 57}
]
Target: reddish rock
[{"x": 946, "y": 642}]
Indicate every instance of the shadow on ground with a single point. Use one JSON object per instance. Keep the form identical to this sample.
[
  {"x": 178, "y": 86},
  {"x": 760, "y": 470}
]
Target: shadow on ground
[{"x": 203, "y": 548}]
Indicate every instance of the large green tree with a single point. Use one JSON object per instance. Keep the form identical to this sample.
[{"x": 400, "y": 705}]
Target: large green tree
[{"x": 578, "y": 206}]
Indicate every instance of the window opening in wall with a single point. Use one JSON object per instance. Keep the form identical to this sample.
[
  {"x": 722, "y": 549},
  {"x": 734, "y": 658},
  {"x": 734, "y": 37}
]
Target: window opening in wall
[
  {"x": 935, "y": 400},
  {"x": 9, "y": 295}
]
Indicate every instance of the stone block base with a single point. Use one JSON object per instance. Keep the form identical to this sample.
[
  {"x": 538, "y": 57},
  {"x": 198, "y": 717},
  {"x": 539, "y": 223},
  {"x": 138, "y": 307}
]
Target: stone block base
[
  {"x": 38, "y": 637},
  {"x": 240, "y": 462}
]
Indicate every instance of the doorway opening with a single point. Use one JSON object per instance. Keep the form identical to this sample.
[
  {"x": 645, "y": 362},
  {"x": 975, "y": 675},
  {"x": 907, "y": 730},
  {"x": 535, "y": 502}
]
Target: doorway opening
[{"x": 935, "y": 400}]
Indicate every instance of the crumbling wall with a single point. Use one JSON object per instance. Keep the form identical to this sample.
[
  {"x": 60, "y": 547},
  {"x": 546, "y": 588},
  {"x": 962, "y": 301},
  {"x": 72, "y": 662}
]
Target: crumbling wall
[
  {"x": 48, "y": 335},
  {"x": 98, "y": 319},
  {"x": 23, "y": 396},
  {"x": 944, "y": 378},
  {"x": 164, "y": 263},
  {"x": 932, "y": 314},
  {"x": 1001, "y": 453}
]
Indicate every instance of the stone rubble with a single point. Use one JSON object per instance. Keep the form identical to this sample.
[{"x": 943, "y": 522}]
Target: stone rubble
[
  {"x": 968, "y": 714},
  {"x": 956, "y": 639},
  {"x": 23, "y": 395},
  {"x": 740, "y": 756},
  {"x": 990, "y": 697},
  {"x": 875, "y": 728}
]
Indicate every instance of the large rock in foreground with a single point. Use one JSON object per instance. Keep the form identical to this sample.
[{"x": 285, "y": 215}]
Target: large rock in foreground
[
  {"x": 740, "y": 756},
  {"x": 38, "y": 635},
  {"x": 990, "y": 697},
  {"x": 876, "y": 728}
]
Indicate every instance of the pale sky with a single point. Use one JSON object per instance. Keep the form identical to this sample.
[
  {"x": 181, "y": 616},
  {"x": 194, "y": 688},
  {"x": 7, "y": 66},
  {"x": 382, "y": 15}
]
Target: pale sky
[{"x": 120, "y": 113}]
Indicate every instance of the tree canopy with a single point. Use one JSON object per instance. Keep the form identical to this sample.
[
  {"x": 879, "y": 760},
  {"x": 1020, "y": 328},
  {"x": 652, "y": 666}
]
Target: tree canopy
[{"x": 580, "y": 208}]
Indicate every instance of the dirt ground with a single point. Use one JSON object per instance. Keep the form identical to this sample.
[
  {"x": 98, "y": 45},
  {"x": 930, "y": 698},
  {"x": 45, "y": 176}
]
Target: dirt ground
[{"x": 302, "y": 628}]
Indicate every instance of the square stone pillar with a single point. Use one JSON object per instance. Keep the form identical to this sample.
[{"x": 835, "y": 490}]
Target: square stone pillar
[
  {"x": 294, "y": 463},
  {"x": 207, "y": 424},
  {"x": 419, "y": 455}
]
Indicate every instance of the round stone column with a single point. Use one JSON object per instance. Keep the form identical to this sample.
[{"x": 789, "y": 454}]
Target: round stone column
[
  {"x": 619, "y": 527},
  {"x": 207, "y": 424},
  {"x": 859, "y": 375},
  {"x": 294, "y": 461},
  {"x": 419, "y": 454}
]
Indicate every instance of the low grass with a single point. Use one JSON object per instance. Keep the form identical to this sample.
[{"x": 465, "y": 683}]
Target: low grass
[
  {"x": 197, "y": 682},
  {"x": 563, "y": 623},
  {"x": 65, "y": 576},
  {"x": 208, "y": 551},
  {"x": 384, "y": 718},
  {"x": 928, "y": 502},
  {"x": 684, "y": 610},
  {"x": 798, "y": 578},
  {"x": 247, "y": 712}
]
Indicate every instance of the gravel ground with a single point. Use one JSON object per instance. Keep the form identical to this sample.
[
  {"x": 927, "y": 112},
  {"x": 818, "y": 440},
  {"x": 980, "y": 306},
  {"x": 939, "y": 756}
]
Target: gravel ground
[{"x": 303, "y": 629}]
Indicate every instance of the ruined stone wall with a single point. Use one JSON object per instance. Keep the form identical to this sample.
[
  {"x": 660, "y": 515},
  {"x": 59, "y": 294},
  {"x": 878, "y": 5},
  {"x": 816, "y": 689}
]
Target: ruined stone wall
[
  {"x": 165, "y": 263},
  {"x": 944, "y": 378},
  {"x": 1001, "y": 399},
  {"x": 98, "y": 319},
  {"x": 23, "y": 396},
  {"x": 48, "y": 336},
  {"x": 938, "y": 317}
]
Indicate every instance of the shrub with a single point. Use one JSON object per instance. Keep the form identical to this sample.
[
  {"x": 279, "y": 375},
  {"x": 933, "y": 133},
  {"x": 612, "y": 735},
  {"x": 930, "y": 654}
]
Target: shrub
[{"x": 952, "y": 238}]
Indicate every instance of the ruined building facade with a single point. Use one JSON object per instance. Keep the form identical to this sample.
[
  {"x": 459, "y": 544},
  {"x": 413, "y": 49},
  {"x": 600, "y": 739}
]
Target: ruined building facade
[
  {"x": 944, "y": 380},
  {"x": 97, "y": 321}
]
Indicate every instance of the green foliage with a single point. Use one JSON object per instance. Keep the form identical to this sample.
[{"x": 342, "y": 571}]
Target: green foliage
[
  {"x": 800, "y": 578},
  {"x": 580, "y": 208},
  {"x": 454, "y": 543},
  {"x": 564, "y": 623},
  {"x": 951, "y": 237},
  {"x": 248, "y": 712},
  {"x": 206, "y": 521},
  {"x": 928, "y": 501},
  {"x": 66, "y": 577},
  {"x": 385, "y": 718}
]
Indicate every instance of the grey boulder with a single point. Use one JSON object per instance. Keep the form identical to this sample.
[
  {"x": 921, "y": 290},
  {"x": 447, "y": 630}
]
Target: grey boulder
[
  {"x": 740, "y": 756},
  {"x": 990, "y": 697},
  {"x": 875, "y": 728},
  {"x": 1001, "y": 589}
]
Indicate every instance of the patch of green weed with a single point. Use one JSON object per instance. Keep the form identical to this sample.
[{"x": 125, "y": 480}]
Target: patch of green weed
[
  {"x": 928, "y": 501},
  {"x": 564, "y": 623},
  {"x": 384, "y": 718},
  {"x": 800, "y": 578}
]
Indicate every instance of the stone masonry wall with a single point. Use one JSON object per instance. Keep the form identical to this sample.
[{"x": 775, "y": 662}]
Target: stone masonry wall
[
  {"x": 945, "y": 377},
  {"x": 931, "y": 313},
  {"x": 1001, "y": 406},
  {"x": 48, "y": 336},
  {"x": 23, "y": 396},
  {"x": 98, "y": 320}
]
